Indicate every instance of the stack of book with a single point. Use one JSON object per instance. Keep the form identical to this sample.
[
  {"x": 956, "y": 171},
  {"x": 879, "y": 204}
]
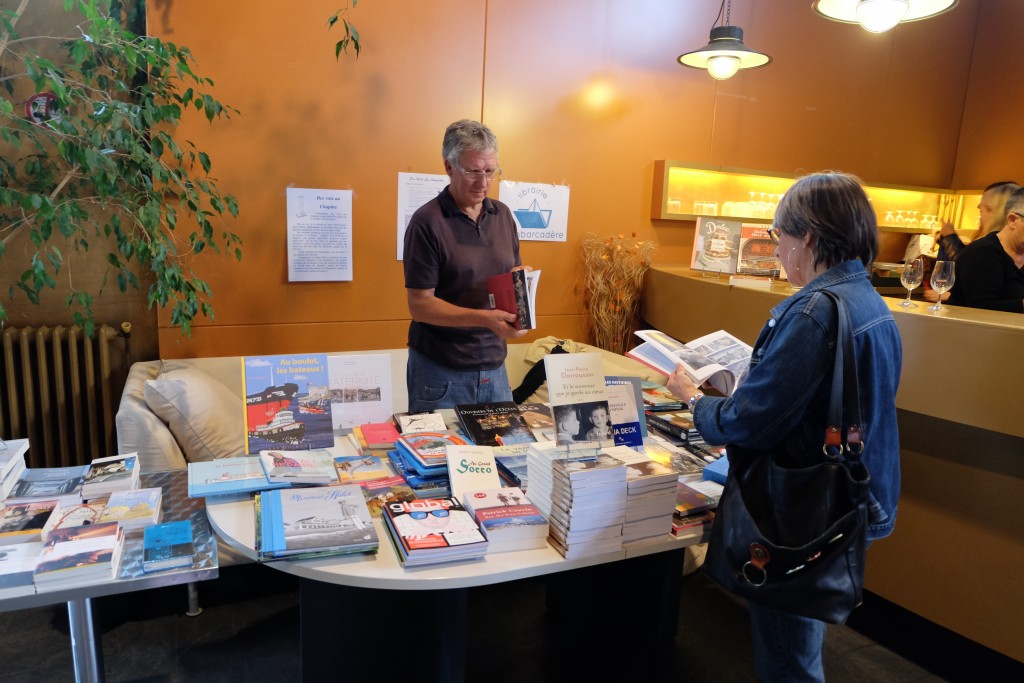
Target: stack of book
[
  {"x": 115, "y": 473},
  {"x": 508, "y": 519},
  {"x": 80, "y": 555},
  {"x": 588, "y": 506},
  {"x": 378, "y": 435},
  {"x": 421, "y": 459},
  {"x": 12, "y": 463},
  {"x": 49, "y": 483},
  {"x": 229, "y": 476},
  {"x": 683, "y": 462},
  {"x": 675, "y": 425},
  {"x": 540, "y": 459},
  {"x": 696, "y": 501},
  {"x": 650, "y": 495},
  {"x": 75, "y": 514},
  {"x": 313, "y": 522},
  {"x": 657, "y": 397},
  {"x": 432, "y": 531},
  {"x": 513, "y": 471},
  {"x": 17, "y": 563},
  {"x": 24, "y": 522},
  {"x": 314, "y": 467},
  {"x": 134, "y": 509}
]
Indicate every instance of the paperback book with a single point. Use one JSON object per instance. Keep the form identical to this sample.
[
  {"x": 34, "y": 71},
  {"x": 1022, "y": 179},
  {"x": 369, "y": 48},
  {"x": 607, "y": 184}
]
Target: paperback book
[
  {"x": 17, "y": 563},
  {"x": 380, "y": 492},
  {"x": 494, "y": 424},
  {"x": 229, "y": 476},
  {"x": 433, "y": 530},
  {"x": 314, "y": 466},
  {"x": 49, "y": 483},
  {"x": 378, "y": 435},
  {"x": 717, "y": 358},
  {"x": 472, "y": 468},
  {"x": 657, "y": 397},
  {"x": 12, "y": 457},
  {"x": 114, "y": 473},
  {"x": 24, "y": 522},
  {"x": 355, "y": 469},
  {"x": 624, "y": 416},
  {"x": 516, "y": 293},
  {"x": 360, "y": 388},
  {"x": 579, "y": 404},
  {"x": 287, "y": 402},
  {"x": 167, "y": 546},
  {"x": 330, "y": 520},
  {"x": 411, "y": 423},
  {"x": 507, "y": 518},
  {"x": 80, "y": 555},
  {"x": 75, "y": 514},
  {"x": 538, "y": 418},
  {"x": 135, "y": 508}
]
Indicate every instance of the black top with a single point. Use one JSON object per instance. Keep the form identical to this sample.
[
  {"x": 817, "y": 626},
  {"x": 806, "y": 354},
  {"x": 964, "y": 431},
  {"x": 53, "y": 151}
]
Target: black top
[
  {"x": 986, "y": 277},
  {"x": 445, "y": 250}
]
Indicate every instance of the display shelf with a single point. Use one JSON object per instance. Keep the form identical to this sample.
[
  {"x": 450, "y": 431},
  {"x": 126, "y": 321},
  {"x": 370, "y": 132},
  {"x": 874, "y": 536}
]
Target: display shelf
[{"x": 687, "y": 191}]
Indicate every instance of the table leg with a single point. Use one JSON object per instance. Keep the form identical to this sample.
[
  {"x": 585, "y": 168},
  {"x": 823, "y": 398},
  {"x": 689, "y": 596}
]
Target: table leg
[
  {"x": 86, "y": 646},
  {"x": 354, "y": 632}
]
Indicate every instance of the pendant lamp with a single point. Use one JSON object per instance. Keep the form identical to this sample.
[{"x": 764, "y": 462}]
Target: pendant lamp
[
  {"x": 725, "y": 53},
  {"x": 879, "y": 16}
]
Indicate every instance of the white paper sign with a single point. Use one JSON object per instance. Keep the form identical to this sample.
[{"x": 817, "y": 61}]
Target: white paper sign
[
  {"x": 541, "y": 211},
  {"x": 415, "y": 190},
  {"x": 319, "y": 235}
]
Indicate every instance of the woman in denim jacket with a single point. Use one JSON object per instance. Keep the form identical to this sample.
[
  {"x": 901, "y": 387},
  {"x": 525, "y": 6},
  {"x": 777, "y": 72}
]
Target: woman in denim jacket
[{"x": 827, "y": 237}]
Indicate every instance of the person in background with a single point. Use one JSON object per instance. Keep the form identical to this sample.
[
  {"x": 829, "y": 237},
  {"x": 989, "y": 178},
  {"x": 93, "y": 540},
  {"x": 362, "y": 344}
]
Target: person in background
[
  {"x": 991, "y": 218},
  {"x": 827, "y": 238},
  {"x": 454, "y": 242},
  {"x": 990, "y": 271}
]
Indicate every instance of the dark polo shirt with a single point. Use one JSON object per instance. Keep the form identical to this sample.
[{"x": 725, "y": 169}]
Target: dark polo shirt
[
  {"x": 449, "y": 253},
  {"x": 986, "y": 277}
]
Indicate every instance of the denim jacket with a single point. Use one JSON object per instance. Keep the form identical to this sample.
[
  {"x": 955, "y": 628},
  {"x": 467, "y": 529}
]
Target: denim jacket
[{"x": 783, "y": 397}]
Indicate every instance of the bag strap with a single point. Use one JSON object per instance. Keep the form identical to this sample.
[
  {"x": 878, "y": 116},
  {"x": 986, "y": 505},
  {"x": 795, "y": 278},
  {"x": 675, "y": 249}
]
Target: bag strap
[{"x": 845, "y": 399}]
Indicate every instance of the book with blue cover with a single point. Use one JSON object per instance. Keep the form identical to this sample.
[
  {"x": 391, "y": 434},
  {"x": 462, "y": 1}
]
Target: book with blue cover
[
  {"x": 287, "y": 402},
  {"x": 167, "y": 546},
  {"x": 312, "y": 522},
  {"x": 229, "y": 476}
]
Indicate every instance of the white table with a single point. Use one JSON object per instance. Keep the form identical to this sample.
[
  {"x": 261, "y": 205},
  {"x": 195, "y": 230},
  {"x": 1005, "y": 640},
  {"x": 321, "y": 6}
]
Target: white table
[
  {"x": 347, "y": 590},
  {"x": 86, "y": 645}
]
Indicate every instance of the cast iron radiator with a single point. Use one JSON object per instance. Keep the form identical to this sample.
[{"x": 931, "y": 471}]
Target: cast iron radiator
[{"x": 57, "y": 391}]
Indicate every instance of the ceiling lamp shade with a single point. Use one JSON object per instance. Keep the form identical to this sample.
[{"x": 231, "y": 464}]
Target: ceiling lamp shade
[
  {"x": 725, "y": 54},
  {"x": 878, "y": 16}
]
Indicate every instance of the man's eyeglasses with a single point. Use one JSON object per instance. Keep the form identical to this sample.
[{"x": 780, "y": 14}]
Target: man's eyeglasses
[
  {"x": 488, "y": 174},
  {"x": 420, "y": 514},
  {"x": 773, "y": 232}
]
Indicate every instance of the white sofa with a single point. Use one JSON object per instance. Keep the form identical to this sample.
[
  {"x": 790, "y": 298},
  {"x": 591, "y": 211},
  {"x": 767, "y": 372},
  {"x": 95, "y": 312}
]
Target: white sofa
[{"x": 176, "y": 411}]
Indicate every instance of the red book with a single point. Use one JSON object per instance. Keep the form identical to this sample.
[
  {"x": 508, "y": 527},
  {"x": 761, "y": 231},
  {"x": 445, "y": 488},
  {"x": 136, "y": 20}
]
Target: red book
[
  {"x": 379, "y": 434},
  {"x": 515, "y": 292}
]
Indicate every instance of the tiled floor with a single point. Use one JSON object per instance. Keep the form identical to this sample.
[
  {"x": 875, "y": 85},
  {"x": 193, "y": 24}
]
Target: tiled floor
[{"x": 248, "y": 632}]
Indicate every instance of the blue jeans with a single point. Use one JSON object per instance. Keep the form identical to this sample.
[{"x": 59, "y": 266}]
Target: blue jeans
[
  {"x": 432, "y": 385},
  {"x": 787, "y": 647}
]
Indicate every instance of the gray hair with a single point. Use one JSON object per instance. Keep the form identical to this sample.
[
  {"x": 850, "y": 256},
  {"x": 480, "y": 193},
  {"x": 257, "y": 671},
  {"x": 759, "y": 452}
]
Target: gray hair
[
  {"x": 467, "y": 135},
  {"x": 1015, "y": 203},
  {"x": 834, "y": 208}
]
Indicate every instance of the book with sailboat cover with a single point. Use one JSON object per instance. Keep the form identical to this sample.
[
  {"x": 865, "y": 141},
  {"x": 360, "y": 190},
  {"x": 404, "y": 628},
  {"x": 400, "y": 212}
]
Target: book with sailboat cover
[{"x": 719, "y": 358}]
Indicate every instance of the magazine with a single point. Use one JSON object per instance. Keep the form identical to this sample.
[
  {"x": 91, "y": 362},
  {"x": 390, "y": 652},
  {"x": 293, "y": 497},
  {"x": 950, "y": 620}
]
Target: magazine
[{"x": 719, "y": 358}]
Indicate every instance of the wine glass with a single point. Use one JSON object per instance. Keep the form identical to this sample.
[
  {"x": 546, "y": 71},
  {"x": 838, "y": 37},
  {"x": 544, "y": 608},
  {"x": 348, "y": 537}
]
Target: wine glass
[
  {"x": 943, "y": 277},
  {"x": 911, "y": 277}
]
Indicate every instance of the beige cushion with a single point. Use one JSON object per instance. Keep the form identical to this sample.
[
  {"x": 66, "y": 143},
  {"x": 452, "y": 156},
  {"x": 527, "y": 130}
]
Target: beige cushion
[{"x": 202, "y": 414}]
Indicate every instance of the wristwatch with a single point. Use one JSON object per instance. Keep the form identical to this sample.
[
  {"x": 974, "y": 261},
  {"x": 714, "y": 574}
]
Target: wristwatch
[{"x": 693, "y": 400}]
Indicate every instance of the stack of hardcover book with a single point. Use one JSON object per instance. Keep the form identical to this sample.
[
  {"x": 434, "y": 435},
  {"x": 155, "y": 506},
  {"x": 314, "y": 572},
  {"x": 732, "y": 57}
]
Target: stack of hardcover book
[
  {"x": 314, "y": 467},
  {"x": 507, "y": 518},
  {"x": 313, "y": 522},
  {"x": 80, "y": 555},
  {"x": 650, "y": 495},
  {"x": 420, "y": 459},
  {"x": 675, "y": 425},
  {"x": 588, "y": 506},
  {"x": 115, "y": 473},
  {"x": 12, "y": 463},
  {"x": 49, "y": 483},
  {"x": 432, "y": 531}
]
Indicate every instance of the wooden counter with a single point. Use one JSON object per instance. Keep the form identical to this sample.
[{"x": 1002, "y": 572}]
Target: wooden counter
[{"x": 959, "y": 540}]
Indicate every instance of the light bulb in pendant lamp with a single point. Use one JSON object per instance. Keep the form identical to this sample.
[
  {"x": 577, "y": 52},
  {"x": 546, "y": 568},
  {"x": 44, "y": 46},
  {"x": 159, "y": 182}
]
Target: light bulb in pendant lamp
[
  {"x": 725, "y": 54},
  {"x": 879, "y": 16}
]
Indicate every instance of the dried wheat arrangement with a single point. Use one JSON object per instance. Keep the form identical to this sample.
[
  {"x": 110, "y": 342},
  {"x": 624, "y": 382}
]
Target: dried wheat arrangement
[{"x": 613, "y": 273}]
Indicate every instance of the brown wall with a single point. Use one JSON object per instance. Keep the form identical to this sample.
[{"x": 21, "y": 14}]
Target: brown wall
[{"x": 888, "y": 108}]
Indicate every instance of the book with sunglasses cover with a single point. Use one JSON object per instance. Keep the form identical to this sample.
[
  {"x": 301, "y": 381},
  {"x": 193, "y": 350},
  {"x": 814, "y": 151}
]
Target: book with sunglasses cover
[{"x": 431, "y": 530}]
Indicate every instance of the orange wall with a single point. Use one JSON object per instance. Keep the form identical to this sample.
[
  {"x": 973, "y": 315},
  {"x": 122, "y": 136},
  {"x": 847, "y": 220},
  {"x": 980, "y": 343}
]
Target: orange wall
[{"x": 580, "y": 92}]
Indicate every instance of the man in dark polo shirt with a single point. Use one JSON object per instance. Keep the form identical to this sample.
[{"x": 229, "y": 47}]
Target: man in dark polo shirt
[{"x": 454, "y": 242}]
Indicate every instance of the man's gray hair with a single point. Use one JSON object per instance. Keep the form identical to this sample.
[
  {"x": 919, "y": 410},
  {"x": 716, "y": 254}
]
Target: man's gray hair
[{"x": 467, "y": 135}]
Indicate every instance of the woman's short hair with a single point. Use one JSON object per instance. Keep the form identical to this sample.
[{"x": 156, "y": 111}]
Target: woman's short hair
[
  {"x": 835, "y": 210},
  {"x": 467, "y": 135}
]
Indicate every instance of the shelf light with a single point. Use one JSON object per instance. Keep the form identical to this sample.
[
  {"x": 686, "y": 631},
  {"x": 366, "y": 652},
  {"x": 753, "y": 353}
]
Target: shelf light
[
  {"x": 725, "y": 53},
  {"x": 879, "y": 16}
]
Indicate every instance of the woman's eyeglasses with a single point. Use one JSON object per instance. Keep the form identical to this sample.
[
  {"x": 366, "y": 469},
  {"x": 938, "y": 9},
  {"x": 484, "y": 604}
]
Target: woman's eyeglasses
[
  {"x": 419, "y": 514},
  {"x": 773, "y": 232}
]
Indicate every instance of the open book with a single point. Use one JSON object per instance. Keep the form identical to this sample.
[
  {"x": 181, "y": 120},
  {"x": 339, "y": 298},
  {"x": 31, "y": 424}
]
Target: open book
[
  {"x": 516, "y": 292},
  {"x": 719, "y": 358}
]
